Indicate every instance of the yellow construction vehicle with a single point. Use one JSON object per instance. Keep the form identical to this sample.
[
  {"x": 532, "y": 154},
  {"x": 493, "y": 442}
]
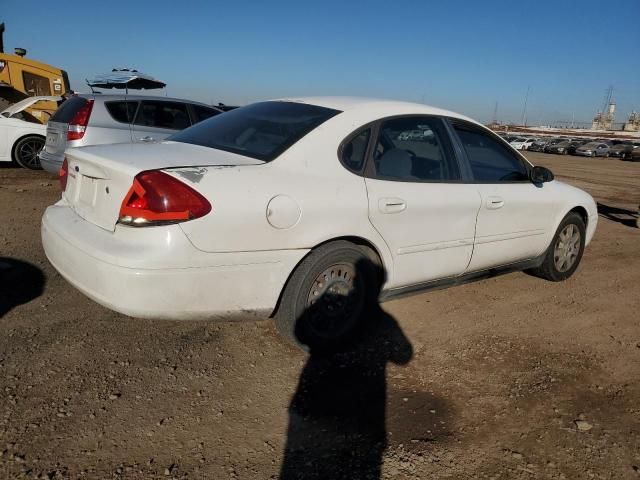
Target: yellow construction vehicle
[{"x": 22, "y": 77}]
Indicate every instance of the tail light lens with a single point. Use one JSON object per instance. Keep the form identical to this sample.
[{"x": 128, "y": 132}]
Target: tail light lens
[
  {"x": 156, "y": 198},
  {"x": 63, "y": 174},
  {"x": 79, "y": 122}
]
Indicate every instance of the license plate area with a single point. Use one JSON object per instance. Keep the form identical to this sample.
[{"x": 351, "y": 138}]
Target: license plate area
[
  {"x": 52, "y": 139},
  {"x": 87, "y": 192}
]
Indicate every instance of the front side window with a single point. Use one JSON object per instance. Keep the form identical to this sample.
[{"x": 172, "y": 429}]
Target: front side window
[
  {"x": 201, "y": 113},
  {"x": 160, "y": 114},
  {"x": 414, "y": 149},
  {"x": 35, "y": 85},
  {"x": 490, "y": 160},
  {"x": 262, "y": 130}
]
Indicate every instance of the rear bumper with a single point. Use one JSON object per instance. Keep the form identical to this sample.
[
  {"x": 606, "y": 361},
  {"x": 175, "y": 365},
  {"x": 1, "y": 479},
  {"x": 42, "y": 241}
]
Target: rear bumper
[
  {"x": 156, "y": 272},
  {"x": 51, "y": 163}
]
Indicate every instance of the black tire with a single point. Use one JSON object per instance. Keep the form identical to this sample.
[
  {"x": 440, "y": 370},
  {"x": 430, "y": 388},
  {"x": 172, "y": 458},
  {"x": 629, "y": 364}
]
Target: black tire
[
  {"x": 320, "y": 316},
  {"x": 26, "y": 150},
  {"x": 549, "y": 268}
]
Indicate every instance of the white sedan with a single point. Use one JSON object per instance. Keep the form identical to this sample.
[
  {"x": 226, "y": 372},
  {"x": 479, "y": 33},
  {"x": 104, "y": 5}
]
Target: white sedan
[
  {"x": 522, "y": 143},
  {"x": 21, "y": 139},
  {"x": 308, "y": 210}
]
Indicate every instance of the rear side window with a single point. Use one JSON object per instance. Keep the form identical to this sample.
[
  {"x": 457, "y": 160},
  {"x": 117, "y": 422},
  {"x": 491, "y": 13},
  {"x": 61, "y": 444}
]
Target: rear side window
[
  {"x": 35, "y": 84},
  {"x": 490, "y": 160},
  {"x": 122, "y": 112},
  {"x": 354, "y": 151},
  {"x": 159, "y": 114},
  {"x": 68, "y": 109},
  {"x": 202, "y": 113},
  {"x": 262, "y": 130}
]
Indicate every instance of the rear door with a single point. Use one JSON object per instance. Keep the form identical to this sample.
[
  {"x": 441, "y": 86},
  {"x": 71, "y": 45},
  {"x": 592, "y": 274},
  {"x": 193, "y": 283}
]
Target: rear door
[
  {"x": 157, "y": 119},
  {"x": 417, "y": 201},
  {"x": 516, "y": 215}
]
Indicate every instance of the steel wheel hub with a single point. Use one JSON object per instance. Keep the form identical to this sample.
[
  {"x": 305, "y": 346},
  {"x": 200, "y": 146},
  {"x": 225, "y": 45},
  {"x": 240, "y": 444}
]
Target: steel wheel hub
[
  {"x": 334, "y": 299},
  {"x": 567, "y": 248}
]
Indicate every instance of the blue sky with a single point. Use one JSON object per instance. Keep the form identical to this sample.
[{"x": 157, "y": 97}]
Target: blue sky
[{"x": 463, "y": 56}]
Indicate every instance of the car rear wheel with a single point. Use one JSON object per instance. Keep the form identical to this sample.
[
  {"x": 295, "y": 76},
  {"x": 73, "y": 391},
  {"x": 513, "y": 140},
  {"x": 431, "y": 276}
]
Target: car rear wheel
[
  {"x": 565, "y": 252},
  {"x": 26, "y": 150},
  {"x": 328, "y": 296}
]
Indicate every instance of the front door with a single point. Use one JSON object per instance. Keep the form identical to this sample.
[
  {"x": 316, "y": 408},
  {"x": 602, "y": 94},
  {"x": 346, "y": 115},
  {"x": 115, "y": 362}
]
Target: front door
[
  {"x": 516, "y": 215},
  {"x": 417, "y": 203}
]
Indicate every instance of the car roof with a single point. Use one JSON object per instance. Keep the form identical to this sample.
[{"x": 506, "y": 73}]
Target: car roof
[
  {"x": 345, "y": 104},
  {"x": 122, "y": 96}
]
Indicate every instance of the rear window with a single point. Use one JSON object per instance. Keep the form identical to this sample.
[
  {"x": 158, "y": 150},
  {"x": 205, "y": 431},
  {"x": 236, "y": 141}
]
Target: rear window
[
  {"x": 122, "y": 112},
  {"x": 68, "y": 109},
  {"x": 262, "y": 130}
]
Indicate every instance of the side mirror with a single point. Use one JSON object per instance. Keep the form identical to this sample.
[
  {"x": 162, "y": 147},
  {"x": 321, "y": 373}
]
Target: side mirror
[{"x": 540, "y": 175}]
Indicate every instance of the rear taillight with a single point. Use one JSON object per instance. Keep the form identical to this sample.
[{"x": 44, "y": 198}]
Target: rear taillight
[
  {"x": 79, "y": 122},
  {"x": 158, "y": 198},
  {"x": 64, "y": 174}
]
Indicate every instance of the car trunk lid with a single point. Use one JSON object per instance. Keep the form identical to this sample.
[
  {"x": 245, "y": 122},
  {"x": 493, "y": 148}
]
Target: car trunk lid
[{"x": 99, "y": 177}]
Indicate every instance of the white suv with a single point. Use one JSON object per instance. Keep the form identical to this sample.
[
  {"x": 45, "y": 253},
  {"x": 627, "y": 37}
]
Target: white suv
[{"x": 95, "y": 119}]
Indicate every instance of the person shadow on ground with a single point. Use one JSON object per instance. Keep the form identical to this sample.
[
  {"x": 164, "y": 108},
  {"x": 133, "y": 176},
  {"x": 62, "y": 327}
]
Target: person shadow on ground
[
  {"x": 337, "y": 419},
  {"x": 20, "y": 282}
]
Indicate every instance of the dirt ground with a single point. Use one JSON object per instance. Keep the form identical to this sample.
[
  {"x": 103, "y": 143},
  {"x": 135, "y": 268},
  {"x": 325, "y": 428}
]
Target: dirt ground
[{"x": 511, "y": 377}]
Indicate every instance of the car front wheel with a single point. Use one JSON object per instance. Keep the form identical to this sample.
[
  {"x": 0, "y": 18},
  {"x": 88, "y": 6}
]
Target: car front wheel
[
  {"x": 26, "y": 150},
  {"x": 328, "y": 296},
  {"x": 565, "y": 252}
]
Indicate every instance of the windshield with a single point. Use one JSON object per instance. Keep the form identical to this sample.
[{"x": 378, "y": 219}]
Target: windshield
[
  {"x": 262, "y": 130},
  {"x": 591, "y": 145}
]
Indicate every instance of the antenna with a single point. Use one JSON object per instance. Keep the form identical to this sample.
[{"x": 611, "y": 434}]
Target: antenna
[{"x": 2, "y": 37}]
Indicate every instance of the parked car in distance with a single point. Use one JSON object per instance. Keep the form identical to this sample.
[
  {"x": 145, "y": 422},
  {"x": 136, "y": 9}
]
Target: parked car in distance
[
  {"x": 574, "y": 144},
  {"x": 162, "y": 230},
  {"x": 561, "y": 148},
  {"x": 593, "y": 149},
  {"x": 621, "y": 150},
  {"x": 96, "y": 119},
  {"x": 539, "y": 144},
  {"x": 522, "y": 143},
  {"x": 552, "y": 142},
  {"x": 22, "y": 136},
  {"x": 635, "y": 155}
]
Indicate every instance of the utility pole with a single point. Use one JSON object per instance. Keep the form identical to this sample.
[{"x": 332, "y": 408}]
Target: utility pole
[{"x": 524, "y": 110}]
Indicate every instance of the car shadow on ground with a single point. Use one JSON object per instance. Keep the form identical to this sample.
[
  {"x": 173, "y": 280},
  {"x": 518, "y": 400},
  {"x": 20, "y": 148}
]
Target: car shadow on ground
[
  {"x": 337, "y": 416},
  {"x": 620, "y": 215},
  {"x": 20, "y": 282}
]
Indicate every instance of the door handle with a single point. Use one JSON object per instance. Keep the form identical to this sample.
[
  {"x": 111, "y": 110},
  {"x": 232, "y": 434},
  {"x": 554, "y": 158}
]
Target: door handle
[
  {"x": 147, "y": 139},
  {"x": 494, "y": 202},
  {"x": 391, "y": 205}
]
